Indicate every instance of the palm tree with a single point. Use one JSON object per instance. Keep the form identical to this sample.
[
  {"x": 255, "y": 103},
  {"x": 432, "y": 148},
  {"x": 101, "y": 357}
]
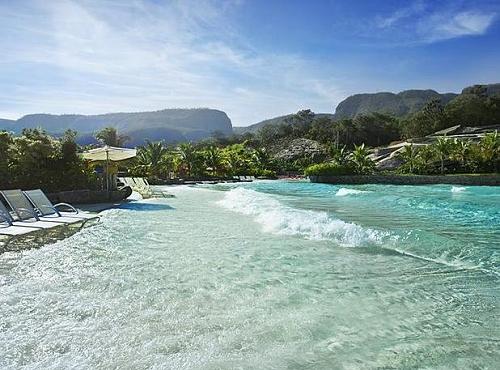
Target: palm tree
[
  {"x": 152, "y": 155},
  {"x": 490, "y": 149},
  {"x": 109, "y": 136},
  {"x": 188, "y": 156},
  {"x": 362, "y": 163},
  {"x": 443, "y": 148},
  {"x": 213, "y": 159},
  {"x": 340, "y": 156},
  {"x": 409, "y": 156},
  {"x": 460, "y": 151}
]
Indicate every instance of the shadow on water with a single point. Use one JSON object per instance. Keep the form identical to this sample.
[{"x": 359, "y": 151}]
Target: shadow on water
[{"x": 137, "y": 206}]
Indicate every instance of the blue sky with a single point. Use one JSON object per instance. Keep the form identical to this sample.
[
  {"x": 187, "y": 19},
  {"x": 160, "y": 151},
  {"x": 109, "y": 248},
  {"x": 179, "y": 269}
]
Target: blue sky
[{"x": 254, "y": 59}]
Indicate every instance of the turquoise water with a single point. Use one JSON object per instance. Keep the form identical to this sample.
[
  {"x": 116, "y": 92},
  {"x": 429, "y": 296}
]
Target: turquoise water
[{"x": 265, "y": 275}]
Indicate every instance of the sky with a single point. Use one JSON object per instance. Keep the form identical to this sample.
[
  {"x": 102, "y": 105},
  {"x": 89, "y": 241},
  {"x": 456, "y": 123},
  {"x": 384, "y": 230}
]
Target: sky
[{"x": 253, "y": 59}]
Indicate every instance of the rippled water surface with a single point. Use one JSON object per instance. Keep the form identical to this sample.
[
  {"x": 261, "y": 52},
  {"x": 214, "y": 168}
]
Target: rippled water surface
[{"x": 265, "y": 275}]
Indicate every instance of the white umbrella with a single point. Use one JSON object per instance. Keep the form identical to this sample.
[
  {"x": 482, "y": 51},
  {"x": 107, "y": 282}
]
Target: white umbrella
[{"x": 109, "y": 153}]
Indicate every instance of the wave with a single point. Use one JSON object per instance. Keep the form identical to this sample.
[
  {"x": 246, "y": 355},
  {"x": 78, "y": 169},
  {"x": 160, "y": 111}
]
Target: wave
[
  {"x": 345, "y": 191},
  {"x": 280, "y": 219},
  {"x": 458, "y": 189}
]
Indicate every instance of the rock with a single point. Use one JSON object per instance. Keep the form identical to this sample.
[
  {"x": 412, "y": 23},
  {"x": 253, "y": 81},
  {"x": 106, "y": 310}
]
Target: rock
[{"x": 300, "y": 148}]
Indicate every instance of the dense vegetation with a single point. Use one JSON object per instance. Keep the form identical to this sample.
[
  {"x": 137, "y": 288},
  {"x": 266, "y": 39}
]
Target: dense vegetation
[
  {"x": 35, "y": 159},
  {"x": 474, "y": 108},
  {"x": 453, "y": 156},
  {"x": 443, "y": 156},
  {"x": 204, "y": 160}
]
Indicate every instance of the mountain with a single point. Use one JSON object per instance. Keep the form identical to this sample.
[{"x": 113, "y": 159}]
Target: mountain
[
  {"x": 400, "y": 104},
  {"x": 272, "y": 121},
  {"x": 482, "y": 89},
  {"x": 169, "y": 124}
]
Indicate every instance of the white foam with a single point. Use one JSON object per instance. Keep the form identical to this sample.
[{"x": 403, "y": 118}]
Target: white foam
[
  {"x": 278, "y": 218},
  {"x": 345, "y": 191},
  {"x": 458, "y": 189}
]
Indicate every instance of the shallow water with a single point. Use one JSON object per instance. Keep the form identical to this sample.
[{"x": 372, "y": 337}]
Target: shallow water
[{"x": 265, "y": 275}]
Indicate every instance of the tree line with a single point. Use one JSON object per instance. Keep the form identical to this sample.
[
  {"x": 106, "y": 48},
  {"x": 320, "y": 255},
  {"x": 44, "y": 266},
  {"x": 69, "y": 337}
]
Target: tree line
[
  {"x": 444, "y": 156},
  {"x": 37, "y": 159}
]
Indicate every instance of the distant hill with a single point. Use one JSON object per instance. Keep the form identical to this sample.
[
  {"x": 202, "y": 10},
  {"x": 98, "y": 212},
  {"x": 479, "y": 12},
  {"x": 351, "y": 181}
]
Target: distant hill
[
  {"x": 272, "y": 121},
  {"x": 400, "y": 104},
  {"x": 483, "y": 89},
  {"x": 170, "y": 125},
  {"x": 405, "y": 102}
]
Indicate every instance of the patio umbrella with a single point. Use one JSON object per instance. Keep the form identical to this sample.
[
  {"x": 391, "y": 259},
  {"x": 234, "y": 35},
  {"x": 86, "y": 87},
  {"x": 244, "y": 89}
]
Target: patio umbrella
[{"x": 109, "y": 153}]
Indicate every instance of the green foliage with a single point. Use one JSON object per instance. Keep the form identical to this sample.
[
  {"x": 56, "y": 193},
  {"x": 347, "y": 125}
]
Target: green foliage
[
  {"x": 340, "y": 156},
  {"x": 490, "y": 151},
  {"x": 474, "y": 108},
  {"x": 329, "y": 169},
  {"x": 453, "y": 156},
  {"x": 361, "y": 162},
  {"x": 343, "y": 163},
  {"x": 109, "y": 136},
  {"x": 409, "y": 157},
  {"x": 443, "y": 147},
  {"x": 214, "y": 160},
  {"x": 38, "y": 160},
  {"x": 428, "y": 120},
  {"x": 153, "y": 160}
]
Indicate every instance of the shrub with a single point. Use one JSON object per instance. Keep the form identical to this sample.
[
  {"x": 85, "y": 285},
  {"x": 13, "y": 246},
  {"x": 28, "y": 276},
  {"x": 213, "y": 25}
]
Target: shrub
[
  {"x": 328, "y": 169},
  {"x": 268, "y": 174}
]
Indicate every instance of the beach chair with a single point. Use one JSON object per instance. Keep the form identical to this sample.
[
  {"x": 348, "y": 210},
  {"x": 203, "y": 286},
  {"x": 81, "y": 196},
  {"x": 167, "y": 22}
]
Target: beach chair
[
  {"x": 16, "y": 234},
  {"x": 11, "y": 230},
  {"x": 47, "y": 210},
  {"x": 142, "y": 188},
  {"x": 7, "y": 227},
  {"x": 25, "y": 213}
]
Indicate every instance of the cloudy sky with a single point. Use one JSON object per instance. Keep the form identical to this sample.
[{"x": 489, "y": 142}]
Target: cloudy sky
[{"x": 254, "y": 59}]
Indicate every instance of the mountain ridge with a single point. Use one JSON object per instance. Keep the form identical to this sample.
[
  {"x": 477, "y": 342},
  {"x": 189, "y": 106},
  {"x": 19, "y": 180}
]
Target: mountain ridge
[
  {"x": 171, "y": 125},
  {"x": 398, "y": 104}
]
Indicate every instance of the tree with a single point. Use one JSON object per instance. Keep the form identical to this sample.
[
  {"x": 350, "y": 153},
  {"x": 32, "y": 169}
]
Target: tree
[
  {"x": 362, "y": 163},
  {"x": 490, "y": 150},
  {"x": 109, "y": 136},
  {"x": 408, "y": 155},
  {"x": 375, "y": 129},
  {"x": 429, "y": 119},
  {"x": 261, "y": 158},
  {"x": 339, "y": 156},
  {"x": 460, "y": 151},
  {"x": 152, "y": 156},
  {"x": 214, "y": 159},
  {"x": 443, "y": 147},
  {"x": 6, "y": 143},
  {"x": 188, "y": 157}
]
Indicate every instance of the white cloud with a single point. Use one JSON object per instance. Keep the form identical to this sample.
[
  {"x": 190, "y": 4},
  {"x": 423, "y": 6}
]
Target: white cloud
[
  {"x": 419, "y": 23},
  {"x": 443, "y": 26},
  {"x": 392, "y": 19},
  {"x": 96, "y": 57}
]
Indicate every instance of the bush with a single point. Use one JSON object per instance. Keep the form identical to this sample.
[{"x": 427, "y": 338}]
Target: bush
[
  {"x": 268, "y": 174},
  {"x": 329, "y": 169}
]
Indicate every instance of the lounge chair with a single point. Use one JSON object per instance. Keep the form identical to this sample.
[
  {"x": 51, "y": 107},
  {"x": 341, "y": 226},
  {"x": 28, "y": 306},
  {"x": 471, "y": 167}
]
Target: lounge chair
[
  {"x": 6, "y": 224},
  {"x": 23, "y": 214},
  {"x": 48, "y": 211}
]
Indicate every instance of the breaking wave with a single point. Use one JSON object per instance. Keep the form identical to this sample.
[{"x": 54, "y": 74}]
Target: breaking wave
[
  {"x": 345, "y": 191},
  {"x": 458, "y": 189},
  {"x": 278, "y": 218}
]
